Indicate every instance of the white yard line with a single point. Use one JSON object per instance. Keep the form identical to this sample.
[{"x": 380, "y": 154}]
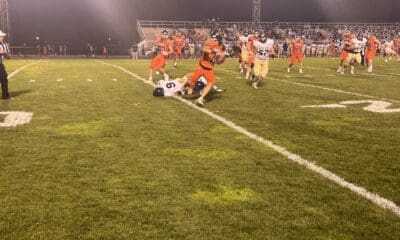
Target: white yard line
[
  {"x": 324, "y": 88},
  {"x": 373, "y": 197},
  {"x": 11, "y": 75}
]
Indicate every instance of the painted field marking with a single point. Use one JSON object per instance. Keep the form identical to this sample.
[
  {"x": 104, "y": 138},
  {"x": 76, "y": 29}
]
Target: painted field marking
[
  {"x": 14, "y": 119},
  {"x": 32, "y": 81},
  {"x": 11, "y": 75},
  {"x": 90, "y": 80},
  {"x": 373, "y": 197},
  {"x": 325, "y": 88},
  {"x": 60, "y": 80},
  {"x": 375, "y": 106},
  {"x": 115, "y": 80}
]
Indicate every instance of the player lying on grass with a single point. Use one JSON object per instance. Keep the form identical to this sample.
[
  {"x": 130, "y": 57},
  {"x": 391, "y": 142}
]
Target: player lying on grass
[
  {"x": 179, "y": 87},
  {"x": 263, "y": 48}
]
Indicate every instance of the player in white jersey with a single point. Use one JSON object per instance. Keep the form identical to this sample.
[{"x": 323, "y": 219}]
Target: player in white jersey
[
  {"x": 354, "y": 56},
  {"x": 263, "y": 48},
  {"x": 388, "y": 49},
  {"x": 243, "y": 42},
  {"x": 177, "y": 87}
]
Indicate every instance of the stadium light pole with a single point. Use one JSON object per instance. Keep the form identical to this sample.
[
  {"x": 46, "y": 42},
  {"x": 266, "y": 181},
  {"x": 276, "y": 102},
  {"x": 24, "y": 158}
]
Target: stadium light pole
[
  {"x": 256, "y": 11},
  {"x": 5, "y": 19}
]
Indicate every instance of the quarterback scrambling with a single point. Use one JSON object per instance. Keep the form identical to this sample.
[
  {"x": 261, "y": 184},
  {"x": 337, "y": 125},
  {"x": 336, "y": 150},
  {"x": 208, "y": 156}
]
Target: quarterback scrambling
[
  {"x": 164, "y": 49},
  {"x": 212, "y": 53}
]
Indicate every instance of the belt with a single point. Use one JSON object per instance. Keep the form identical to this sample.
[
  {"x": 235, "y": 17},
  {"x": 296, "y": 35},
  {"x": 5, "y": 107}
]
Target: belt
[{"x": 205, "y": 68}]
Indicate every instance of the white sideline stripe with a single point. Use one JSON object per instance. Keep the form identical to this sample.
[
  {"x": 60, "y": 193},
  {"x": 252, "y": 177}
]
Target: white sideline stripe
[
  {"x": 11, "y": 75},
  {"x": 360, "y": 73},
  {"x": 324, "y": 88},
  {"x": 373, "y": 197}
]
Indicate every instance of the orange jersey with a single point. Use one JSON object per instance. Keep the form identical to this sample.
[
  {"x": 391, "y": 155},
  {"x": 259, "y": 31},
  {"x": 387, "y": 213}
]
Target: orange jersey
[
  {"x": 371, "y": 44},
  {"x": 297, "y": 46},
  {"x": 164, "y": 46},
  {"x": 396, "y": 43},
  {"x": 346, "y": 41},
  {"x": 206, "y": 60},
  {"x": 250, "y": 45},
  {"x": 179, "y": 40}
]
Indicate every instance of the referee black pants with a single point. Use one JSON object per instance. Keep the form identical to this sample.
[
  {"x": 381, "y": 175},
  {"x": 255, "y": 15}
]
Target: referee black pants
[{"x": 4, "y": 82}]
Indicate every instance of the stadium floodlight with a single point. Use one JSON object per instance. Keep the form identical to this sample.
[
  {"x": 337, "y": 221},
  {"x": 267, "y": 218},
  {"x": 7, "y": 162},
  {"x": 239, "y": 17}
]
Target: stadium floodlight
[{"x": 256, "y": 11}]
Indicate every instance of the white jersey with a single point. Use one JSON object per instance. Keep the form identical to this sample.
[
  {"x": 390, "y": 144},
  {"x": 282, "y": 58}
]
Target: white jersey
[
  {"x": 356, "y": 45},
  {"x": 4, "y": 47},
  {"x": 244, "y": 41},
  {"x": 171, "y": 88},
  {"x": 263, "y": 49},
  {"x": 388, "y": 45}
]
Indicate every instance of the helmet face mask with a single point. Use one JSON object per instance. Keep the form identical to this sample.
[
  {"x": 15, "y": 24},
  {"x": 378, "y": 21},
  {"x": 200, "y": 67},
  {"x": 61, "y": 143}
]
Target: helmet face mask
[
  {"x": 199, "y": 86},
  {"x": 263, "y": 38},
  {"x": 216, "y": 34},
  {"x": 158, "y": 92},
  {"x": 164, "y": 34}
]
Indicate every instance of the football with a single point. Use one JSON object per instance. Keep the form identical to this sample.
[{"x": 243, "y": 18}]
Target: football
[{"x": 220, "y": 58}]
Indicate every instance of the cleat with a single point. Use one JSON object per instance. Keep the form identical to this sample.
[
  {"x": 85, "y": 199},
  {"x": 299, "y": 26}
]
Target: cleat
[
  {"x": 200, "y": 102},
  {"x": 301, "y": 71},
  {"x": 255, "y": 85},
  {"x": 288, "y": 70}
]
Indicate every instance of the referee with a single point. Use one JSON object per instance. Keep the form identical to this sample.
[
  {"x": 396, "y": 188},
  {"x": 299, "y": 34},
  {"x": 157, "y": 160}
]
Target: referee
[{"x": 4, "y": 53}]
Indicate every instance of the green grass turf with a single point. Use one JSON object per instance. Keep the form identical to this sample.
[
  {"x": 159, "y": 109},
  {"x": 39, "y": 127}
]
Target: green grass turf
[{"x": 106, "y": 160}]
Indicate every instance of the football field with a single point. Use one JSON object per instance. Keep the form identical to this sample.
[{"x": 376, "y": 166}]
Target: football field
[{"x": 311, "y": 156}]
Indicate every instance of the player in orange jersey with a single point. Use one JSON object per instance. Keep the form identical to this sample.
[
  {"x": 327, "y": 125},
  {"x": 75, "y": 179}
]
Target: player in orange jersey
[
  {"x": 396, "y": 45},
  {"x": 345, "y": 50},
  {"x": 164, "y": 49},
  {"x": 179, "y": 41},
  {"x": 252, "y": 52},
  {"x": 297, "y": 53},
  {"x": 372, "y": 45},
  {"x": 212, "y": 53}
]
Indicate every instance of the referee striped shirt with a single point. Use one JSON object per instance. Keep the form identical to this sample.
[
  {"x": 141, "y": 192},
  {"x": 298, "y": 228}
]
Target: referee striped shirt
[{"x": 3, "y": 47}]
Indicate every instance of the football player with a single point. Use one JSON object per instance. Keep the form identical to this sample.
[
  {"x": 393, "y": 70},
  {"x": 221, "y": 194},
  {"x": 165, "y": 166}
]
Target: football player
[
  {"x": 345, "y": 51},
  {"x": 178, "y": 41},
  {"x": 251, "y": 53},
  {"x": 388, "y": 46},
  {"x": 263, "y": 48},
  {"x": 297, "y": 53},
  {"x": 396, "y": 45},
  {"x": 372, "y": 45},
  {"x": 164, "y": 49},
  {"x": 243, "y": 42},
  {"x": 212, "y": 53},
  {"x": 354, "y": 53}
]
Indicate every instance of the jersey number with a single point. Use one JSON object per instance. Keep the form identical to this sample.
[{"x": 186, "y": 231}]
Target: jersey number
[{"x": 170, "y": 85}]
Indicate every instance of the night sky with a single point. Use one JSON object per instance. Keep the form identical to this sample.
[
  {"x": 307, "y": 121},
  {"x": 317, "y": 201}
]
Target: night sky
[{"x": 80, "y": 21}]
